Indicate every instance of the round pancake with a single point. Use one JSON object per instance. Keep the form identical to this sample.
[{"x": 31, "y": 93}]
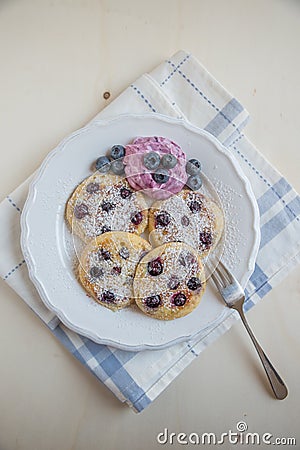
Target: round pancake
[
  {"x": 188, "y": 217},
  {"x": 169, "y": 281},
  {"x": 105, "y": 202},
  {"x": 107, "y": 267}
]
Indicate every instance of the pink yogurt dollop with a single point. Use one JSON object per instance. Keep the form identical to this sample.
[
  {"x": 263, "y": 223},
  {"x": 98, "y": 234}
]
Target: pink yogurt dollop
[{"x": 140, "y": 178}]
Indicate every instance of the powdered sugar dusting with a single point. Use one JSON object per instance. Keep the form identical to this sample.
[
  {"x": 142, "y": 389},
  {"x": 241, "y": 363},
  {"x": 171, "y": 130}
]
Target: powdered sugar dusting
[
  {"x": 192, "y": 218},
  {"x": 112, "y": 272},
  {"x": 178, "y": 261},
  {"x": 107, "y": 209},
  {"x": 233, "y": 236}
]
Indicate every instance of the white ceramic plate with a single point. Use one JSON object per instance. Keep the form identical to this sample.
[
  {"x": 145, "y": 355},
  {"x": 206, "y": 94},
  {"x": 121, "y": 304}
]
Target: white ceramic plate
[{"x": 48, "y": 246}]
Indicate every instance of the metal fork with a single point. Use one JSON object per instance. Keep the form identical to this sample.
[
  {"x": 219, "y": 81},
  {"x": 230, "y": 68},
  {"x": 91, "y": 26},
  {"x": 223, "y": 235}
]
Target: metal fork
[{"x": 234, "y": 297}]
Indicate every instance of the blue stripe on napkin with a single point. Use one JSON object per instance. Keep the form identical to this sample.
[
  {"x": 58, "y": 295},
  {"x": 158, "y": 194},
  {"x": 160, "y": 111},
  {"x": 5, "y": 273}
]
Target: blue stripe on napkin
[
  {"x": 13, "y": 269},
  {"x": 110, "y": 366},
  {"x": 260, "y": 281},
  {"x": 220, "y": 121},
  {"x": 272, "y": 195},
  {"x": 200, "y": 92},
  {"x": 280, "y": 221},
  {"x": 10, "y": 200}
]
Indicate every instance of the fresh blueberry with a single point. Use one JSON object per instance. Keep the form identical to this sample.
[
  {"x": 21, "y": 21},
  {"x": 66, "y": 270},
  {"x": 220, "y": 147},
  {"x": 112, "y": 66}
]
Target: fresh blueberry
[
  {"x": 151, "y": 160},
  {"x": 161, "y": 176},
  {"x": 194, "y": 283},
  {"x": 155, "y": 267},
  {"x": 162, "y": 219},
  {"x": 105, "y": 229},
  {"x": 124, "y": 252},
  {"x": 179, "y": 299},
  {"x": 107, "y": 206},
  {"x": 182, "y": 260},
  {"x": 186, "y": 259},
  {"x": 107, "y": 297},
  {"x": 116, "y": 270},
  {"x": 173, "y": 283},
  {"x": 137, "y": 218},
  {"x": 153, "y": 301},
  {"x": 195, "y": 206},
  {"x": 168, "y": 161},
  {"x": 105, "y": 254},
  {"x": 193, "y": 166},
  {"x": 205, "y": 239},
  {"x": 96, "y": 272},
  {"x": 190, "y": 258},
  {"x": 117, "y": 167},
  {"x": 117, "y": 151},
  {"x": 80, "y": 211},
  {"x": 92, "y": 188},
  {"x": 194, "y": 182},
  {"x": 125, "y": 193},
  {"x": 185, "y": 221},
  {"x": 103, "y": 164}
]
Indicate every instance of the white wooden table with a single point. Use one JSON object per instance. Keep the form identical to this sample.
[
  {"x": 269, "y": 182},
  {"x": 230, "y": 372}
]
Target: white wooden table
[{"x": 58, "y": 57}]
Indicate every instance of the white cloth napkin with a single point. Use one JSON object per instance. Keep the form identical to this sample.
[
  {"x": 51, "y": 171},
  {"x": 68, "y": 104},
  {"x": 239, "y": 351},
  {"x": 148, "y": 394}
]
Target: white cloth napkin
[{"x": 179, "y": 87}]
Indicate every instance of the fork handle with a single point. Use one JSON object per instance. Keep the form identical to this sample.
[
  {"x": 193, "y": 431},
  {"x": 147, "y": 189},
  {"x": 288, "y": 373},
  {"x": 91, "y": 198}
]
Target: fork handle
[{"x": 278, "y": 386}]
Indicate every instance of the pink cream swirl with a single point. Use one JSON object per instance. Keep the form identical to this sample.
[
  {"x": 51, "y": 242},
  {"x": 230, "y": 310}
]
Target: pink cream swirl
[{"x": 140, "y": 178}]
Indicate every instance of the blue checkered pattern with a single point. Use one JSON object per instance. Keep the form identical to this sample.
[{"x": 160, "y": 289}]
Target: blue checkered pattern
[{"x": 179, "y": 87}]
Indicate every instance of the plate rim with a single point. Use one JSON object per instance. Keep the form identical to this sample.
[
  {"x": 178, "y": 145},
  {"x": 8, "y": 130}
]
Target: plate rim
[{"x": 25, "y": 228}]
